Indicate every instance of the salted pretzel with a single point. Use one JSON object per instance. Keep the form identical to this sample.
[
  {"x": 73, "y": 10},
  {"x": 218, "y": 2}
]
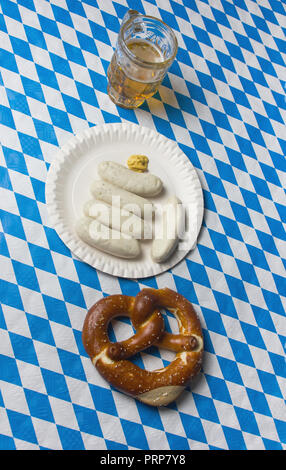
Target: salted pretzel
[{"x": 158, "y": 387}]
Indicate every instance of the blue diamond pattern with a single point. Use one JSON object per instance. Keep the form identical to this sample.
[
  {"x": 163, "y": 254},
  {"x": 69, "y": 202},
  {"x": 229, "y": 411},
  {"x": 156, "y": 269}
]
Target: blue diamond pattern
[
  {"x": 55, "y": 384},
  {"x": 71, "y": 439},
  {"x": 226, "y": 91}
]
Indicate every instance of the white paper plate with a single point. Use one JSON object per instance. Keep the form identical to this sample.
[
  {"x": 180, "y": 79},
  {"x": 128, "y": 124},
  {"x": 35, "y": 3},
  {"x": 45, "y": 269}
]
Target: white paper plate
[{"x": 75, "y": 167}]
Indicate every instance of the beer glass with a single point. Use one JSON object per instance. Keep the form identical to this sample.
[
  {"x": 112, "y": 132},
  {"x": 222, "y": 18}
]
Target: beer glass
[{"x": 146, "y": 47}]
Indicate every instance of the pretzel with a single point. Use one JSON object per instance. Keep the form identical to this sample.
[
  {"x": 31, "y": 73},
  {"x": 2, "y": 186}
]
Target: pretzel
[{"x": 158, "y": 387}]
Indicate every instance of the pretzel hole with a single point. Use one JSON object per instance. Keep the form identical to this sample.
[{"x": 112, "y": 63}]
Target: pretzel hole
[
  {"x": 153, "y": 358},
  {"x": 120, "y": 329},
  {"x": 156, "y": 358},
  {"x": 171, "y": 322}
]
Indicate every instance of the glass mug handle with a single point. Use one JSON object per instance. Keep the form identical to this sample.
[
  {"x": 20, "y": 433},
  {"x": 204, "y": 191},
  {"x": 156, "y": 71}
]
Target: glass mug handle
[{"x": 129, "y": 14}]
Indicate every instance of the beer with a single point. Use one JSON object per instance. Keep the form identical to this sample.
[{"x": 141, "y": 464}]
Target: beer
[
  {"x": 132, "y": 92},
  {"x": 146, "y": 47}
]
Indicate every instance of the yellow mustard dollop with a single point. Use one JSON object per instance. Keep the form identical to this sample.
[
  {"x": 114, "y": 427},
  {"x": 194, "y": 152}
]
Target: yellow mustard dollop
[{"x": 138, "y": 163}]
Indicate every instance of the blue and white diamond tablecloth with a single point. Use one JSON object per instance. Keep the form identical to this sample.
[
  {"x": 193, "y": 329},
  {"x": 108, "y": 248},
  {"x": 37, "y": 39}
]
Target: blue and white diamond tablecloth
[{"x": 223, "y": 101}]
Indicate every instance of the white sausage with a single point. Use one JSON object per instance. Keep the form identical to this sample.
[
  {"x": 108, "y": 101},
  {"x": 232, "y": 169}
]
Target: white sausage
[
  {"x": 118, "y": 219},
  {"x": 164, "y": 245},
  {"x": 121, "y": 198},
  {"x": 105, "y": 239},
  {"x": 143, "y": 184}
]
